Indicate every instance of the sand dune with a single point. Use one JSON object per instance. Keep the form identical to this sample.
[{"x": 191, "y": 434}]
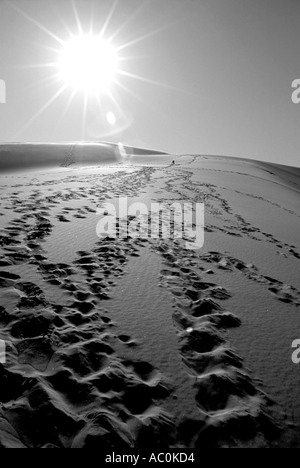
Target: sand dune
[
  {"x": 22, "y": 156},
  {"x": 141, "y": 343}
]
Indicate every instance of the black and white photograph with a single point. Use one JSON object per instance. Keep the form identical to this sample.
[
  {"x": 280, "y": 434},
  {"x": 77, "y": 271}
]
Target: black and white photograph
[{"x": 149, "y": 227}]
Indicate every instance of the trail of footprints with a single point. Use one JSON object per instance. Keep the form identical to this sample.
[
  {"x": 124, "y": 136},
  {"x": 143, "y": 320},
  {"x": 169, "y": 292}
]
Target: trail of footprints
[
  {"x": 46, "y": 336},
  {"x": 233, "y": 224},
  {"x": 72, "y": 349},
  {"x": 231, "y": 405},
  {"x": 281, "y": 291}
]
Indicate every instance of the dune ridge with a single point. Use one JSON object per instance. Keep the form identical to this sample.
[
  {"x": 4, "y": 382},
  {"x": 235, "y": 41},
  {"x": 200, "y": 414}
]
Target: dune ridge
[{"x": 34, "y": 156}]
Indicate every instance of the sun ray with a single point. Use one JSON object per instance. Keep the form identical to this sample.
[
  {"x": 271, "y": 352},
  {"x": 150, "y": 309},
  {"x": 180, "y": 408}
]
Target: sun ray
[
  {"x": 108, "y": 19},
  {"x": 129, "y": 91},
  {"x": 54, "y": 50},
  {"x": 144, "y": 37},
  {"x": 127, "y": 121},
  {"x": 120, "y": 129},
  {"x": 149, "y": 81},
  {"x": 92, "y": 18},
  {"x": 40, "y": 111},
  {"x": 43, "y": 82},
  {"x": 138, "y": 97},
  {"x": 77, "y": 18},
  {"x": 129, "y": 19},
  {"x": 63, "y": 22},
  {"x": 35, "y": 22},
  {"x": 130, "y": 58},
  {"x": 31, "y": 66},
  {"x": 66, "y": 108},
  {"x": 120, "y": 110}
]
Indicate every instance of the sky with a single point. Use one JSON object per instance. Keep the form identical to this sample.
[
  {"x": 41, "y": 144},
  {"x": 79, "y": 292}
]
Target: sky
[{"x": 194, "y": 76}]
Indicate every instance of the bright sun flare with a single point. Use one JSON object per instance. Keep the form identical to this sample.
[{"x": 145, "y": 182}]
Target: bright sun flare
[{"x": 88, "y": 63}]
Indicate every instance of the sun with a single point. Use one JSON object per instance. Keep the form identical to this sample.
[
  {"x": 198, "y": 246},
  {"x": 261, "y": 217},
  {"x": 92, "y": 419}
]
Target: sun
[
  {"x": 91, "y": 60},
  {"x": 88, "y": 63}
]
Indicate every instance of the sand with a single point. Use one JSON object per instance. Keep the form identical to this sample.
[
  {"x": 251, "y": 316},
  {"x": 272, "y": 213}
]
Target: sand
[{"x": 143, "y": 343}]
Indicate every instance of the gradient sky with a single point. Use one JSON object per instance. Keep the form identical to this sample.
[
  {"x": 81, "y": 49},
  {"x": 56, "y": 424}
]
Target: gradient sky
[{"x": 224, "y": 68}]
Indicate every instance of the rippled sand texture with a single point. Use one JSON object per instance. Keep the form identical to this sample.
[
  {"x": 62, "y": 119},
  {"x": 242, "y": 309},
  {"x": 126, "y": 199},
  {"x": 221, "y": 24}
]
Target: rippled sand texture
[{"x": 140, "y": 342}]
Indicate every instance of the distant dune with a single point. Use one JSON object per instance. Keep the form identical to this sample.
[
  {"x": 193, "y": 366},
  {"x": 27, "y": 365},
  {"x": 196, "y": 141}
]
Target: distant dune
[{"x": 27, "y": 156}]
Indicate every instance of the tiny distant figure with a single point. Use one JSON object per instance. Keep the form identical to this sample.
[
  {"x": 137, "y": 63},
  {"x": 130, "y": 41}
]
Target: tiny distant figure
[{"x": 173, "y": 162}]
